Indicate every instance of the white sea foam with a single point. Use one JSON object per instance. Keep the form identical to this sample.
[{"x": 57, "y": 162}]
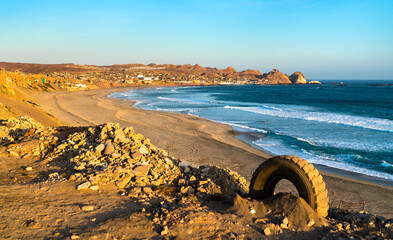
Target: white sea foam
[
  {"x": 355, "y": 121},
  {"x": 352, "y": 144},
  {"x": 277, "y": 147},
  {"x": 244, "y": 127},
  {"x": 386, "y": 164},
  {"x": 173, "y": 109},
  {"x": 181, "y": 100}
]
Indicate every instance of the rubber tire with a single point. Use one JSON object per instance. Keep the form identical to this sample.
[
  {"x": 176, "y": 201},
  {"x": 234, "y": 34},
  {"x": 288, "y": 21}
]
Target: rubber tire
[{"x": 302, "y": 174}]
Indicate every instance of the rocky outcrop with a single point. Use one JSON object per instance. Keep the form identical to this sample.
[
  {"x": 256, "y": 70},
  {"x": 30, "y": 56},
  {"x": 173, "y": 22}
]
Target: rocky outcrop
[
  {"x": 275, "y": 77},
  {"x": 297, "y": 78},
  {"x": 197, "y": 67},
  {"x": 229, "y": 70},
  {"x": 314, "y": 82}
]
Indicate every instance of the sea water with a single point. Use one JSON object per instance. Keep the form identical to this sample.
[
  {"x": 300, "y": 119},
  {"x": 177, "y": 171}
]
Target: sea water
[{"x": 347, "y": 127}]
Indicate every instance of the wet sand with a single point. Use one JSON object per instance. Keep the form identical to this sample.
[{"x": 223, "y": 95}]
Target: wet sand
[{"x": 201, "y": 142}]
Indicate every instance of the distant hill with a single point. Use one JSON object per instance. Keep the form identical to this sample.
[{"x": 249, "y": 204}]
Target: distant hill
[{"x": 273, "y": 77}]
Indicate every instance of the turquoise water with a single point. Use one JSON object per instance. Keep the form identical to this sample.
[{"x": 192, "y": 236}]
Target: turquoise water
[{"x": 345, "y": 127}]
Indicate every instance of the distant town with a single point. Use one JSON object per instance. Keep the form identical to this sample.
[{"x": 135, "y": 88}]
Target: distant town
[{"x": 74, "y": 77}]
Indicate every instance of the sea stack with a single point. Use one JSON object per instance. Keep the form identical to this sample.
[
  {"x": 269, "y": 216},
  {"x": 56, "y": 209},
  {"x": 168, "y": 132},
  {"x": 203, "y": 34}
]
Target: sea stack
[{"x": 297, "y": 78}]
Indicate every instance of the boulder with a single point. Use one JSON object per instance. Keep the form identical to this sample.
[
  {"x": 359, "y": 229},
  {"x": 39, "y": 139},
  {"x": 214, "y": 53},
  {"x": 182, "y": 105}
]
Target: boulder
[{"x": 83, "y": 186}]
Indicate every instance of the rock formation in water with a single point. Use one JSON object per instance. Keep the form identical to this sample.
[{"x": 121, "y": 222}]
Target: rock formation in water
[{"x": 297, "y": 78}]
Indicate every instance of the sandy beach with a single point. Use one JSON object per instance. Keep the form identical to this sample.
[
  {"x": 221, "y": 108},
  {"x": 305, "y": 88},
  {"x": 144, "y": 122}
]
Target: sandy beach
[{"x": 200, "y": 142}]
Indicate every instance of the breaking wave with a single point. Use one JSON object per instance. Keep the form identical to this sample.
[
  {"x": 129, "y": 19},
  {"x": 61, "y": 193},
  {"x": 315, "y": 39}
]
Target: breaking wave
[{"x": 332, "y": 118}]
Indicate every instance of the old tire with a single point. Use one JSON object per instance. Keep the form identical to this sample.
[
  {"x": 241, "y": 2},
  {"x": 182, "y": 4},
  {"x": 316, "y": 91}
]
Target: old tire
[{"x": 302, "y": 174}]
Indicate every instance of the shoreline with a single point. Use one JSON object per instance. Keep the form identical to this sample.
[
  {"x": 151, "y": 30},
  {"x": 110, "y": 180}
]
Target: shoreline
[
  {"x": 248, "y": 138},
  {"x": 200, "y": 141}
]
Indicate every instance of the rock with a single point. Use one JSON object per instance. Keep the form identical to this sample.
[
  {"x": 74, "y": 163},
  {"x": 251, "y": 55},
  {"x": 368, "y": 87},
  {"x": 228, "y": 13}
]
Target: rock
[
  {"x": 183, "y": 164},
  {"x": 29, "y": 169},
  {"x": 142, "y": 170},
  {"x": 314, "y": 82},
  {"x": 297, "y": 78},
  {"x": 168, "y": 161},
  {"x": 109, "y": 148},
  {"x": 339, "y": 226},
  {"x": 164, "y": 231},
  {"x": 143, "y": 150},
  {"x": 261, "y": 220},
  {"x": 284, "y": 223},
  {"x": 115, "y": 155},
  {"x": 181, "y": 182},
  {"x": 83, "y": 186},
  {"x": 94, "y": 188},
  {"x": 311, "y": 223},
  {"x": 147, "y": 190},
  {"x": 252, "y": 210},
  {"x": 119, "y": 134},
  {"x": 135, "y": 191},
  {"x": 124, "y": 179},
  {"x": 186, "y": 190},
  {"x": 346, "y": 225},
  {"x": 267, "y": 231},
  {"x": 13, "y": 153},
  {"x": 187, "y": 170},
  {"x": 30, "y": 132},
  {"x": 88, "y": 208},
  {"x": 136, "y": 155}
]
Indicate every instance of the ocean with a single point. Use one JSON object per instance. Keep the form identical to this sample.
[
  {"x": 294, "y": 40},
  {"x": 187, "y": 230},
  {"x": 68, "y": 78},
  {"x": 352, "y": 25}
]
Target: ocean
[{"x": 345, "y": 127}]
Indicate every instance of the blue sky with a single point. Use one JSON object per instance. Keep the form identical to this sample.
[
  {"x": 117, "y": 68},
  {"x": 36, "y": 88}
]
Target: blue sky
[{"x": 323, "y": 39}]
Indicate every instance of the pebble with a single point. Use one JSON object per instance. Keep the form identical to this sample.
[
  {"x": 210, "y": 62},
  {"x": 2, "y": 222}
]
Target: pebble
[
  {"x": 88, "y": 208},
  {"x": 252, "y": 210},
  {"x": 346, "y": 225},
  {"x": 83, "y": 186},
  {"x": 100, "y": 147},
  {"x": 29, "y": 169},
  {"x": 109, "y": 148},
  {"x": 186, "y": 190},
  {"x": 94, "y": 187},
  {"x": 311, "y": 223},
  {"x": 143, "y": 150},
  {"x": 267, "y": 231},
  {"x": 183, "y": 164},
  {"x": 164, "y": 231}
]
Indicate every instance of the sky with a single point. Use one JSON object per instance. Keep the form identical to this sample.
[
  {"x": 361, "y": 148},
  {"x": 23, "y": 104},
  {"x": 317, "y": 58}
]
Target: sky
[{"x": 334, "y": 39}]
